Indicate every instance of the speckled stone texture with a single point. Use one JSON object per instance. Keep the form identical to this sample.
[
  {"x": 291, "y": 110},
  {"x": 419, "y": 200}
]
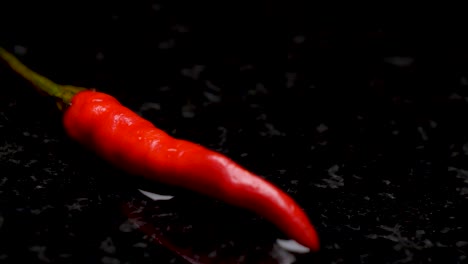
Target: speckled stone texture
[{"x": 366, "y": 127}]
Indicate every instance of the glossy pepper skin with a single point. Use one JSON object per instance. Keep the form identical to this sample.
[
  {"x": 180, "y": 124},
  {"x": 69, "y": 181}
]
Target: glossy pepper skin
[{"x": 133, "y": 144}]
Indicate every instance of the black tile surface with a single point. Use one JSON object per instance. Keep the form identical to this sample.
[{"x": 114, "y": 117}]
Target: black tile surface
[{"x": 365, "y": 126}]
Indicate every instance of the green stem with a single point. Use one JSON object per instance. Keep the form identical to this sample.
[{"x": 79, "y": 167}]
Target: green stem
[{"x": 63, "y": 92}]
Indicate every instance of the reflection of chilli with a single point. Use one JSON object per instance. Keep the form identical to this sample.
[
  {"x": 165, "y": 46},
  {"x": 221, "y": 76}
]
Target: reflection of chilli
[{"x": 135, "y": 215}]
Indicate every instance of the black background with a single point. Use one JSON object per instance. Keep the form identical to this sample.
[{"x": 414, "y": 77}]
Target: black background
[{"x": 363, "y": 123}]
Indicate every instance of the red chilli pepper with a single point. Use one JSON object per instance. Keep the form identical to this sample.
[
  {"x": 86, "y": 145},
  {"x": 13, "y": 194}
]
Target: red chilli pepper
[{"x": 129, "y": 142}]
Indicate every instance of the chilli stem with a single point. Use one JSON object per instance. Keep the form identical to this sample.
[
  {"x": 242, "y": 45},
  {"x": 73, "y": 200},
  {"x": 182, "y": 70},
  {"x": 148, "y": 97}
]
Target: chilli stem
[{"x": 63, "y": 92}]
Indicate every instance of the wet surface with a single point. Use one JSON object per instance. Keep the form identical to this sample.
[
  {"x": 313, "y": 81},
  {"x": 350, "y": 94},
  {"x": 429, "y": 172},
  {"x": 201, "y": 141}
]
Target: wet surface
[{"x": 366, "y": 129}]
